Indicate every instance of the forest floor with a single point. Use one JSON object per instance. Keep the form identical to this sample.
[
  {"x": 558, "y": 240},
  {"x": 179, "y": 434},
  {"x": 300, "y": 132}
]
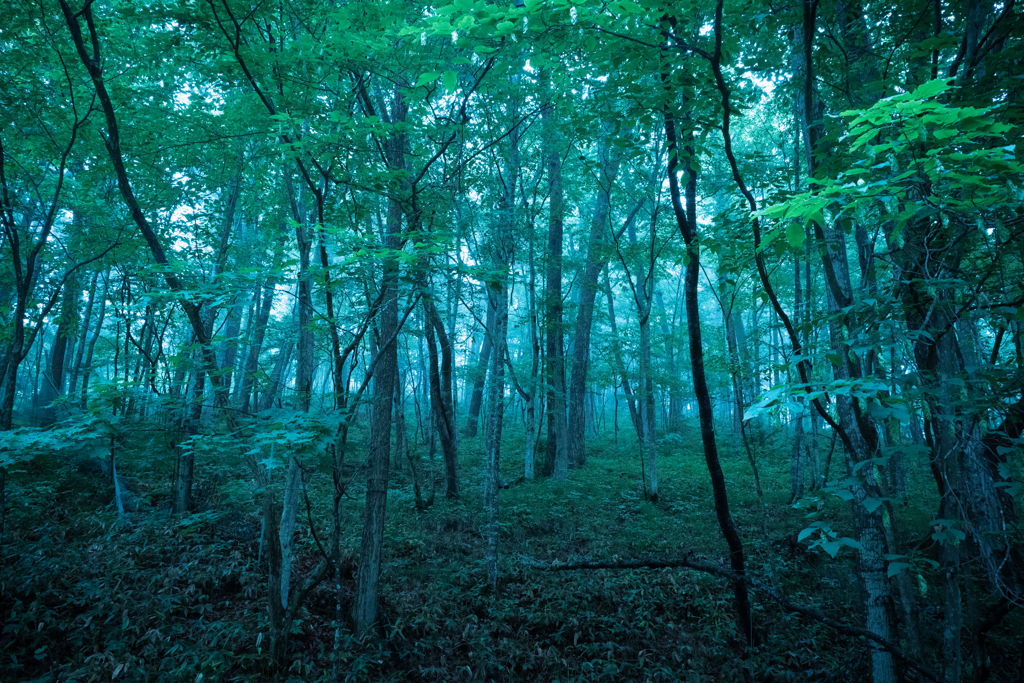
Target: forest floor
[{"x": 88, "y": 595}]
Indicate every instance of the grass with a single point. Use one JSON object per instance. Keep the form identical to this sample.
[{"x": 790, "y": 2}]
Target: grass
[{"x": 154, "y": 597}]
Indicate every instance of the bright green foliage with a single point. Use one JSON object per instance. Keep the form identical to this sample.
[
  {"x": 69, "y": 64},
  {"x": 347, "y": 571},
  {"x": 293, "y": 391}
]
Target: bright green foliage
[
  {"x": 270, "y": 144},
  {"x": 924, "y": 158}
]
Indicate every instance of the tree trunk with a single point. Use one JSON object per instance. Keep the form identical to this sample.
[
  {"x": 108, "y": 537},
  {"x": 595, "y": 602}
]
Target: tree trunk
[
  {"x": 502, "y": 259},
  {"x": 620, "y": 366},
  {"x": 371, "y": 547},
  {"x": 675, "y": 398},
  {"x": 286, "y": 530},
  {"x": 686, "y": 219},
  {"x": 285, "y": 601},
  {"x": 495, "y": 416},
  {"x": 185, "y": 472},
  {"x": 277, "y": 376},
  {"x": 97, "y": 332},
  {"x": 530, "y": 426},
  {"x": 259, "y": 330},
  {"x": 441, "y": 403},
  {"x": 229, "y": 350},
  {"x": 67, "y": 327},
  {"x": 643, "y": 287},
  {"x": 796, "y": 464},
  {"x": 857, "y": 430},
  {"x": 76, "y": 366},
  {"x": 556, "y": 456},
  {"x": 480, "y": 375},
  {"x": 304, "y": 301},
  {"x": 597, "y": 256}
]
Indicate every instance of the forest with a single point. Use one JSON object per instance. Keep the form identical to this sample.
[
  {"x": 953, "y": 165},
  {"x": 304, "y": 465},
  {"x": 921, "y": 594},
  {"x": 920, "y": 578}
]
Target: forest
[{"x": 533, "y": 340}]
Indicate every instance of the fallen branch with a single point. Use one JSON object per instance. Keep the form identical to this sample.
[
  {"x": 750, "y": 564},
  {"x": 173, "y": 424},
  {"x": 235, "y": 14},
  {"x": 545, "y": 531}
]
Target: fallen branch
[{"x": 758, "y": 586}]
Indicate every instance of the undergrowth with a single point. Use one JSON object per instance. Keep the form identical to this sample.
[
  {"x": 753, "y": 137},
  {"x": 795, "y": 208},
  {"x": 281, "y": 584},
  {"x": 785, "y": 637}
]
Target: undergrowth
[{"x": 88, "y": 595}]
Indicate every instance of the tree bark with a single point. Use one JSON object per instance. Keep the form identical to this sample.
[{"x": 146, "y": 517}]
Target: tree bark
[
  {"x": 365, "y": 610},
  {"x": 495, "y": 418},
  {"x": 90, "y": 354},
  {"x": 556, "y": 460},
  {"x": 304, "y": 300},
  {"x": 67, "y": 327},
  {"x": 686, "y": 219},
  {"x": 480, "y": 375},
  {"x": 259, "y": 330},
  {"x": 675, "y": 396},
  {"x": 502, "y": 259},
  {"x": 83, "y": 339},
  {"x": 597, "y": 256},
  {"x": 620, "y": 365},
  {"x": 530, "y": 426},
  {"x": 441, "y": 403},
  {"x": 796, "y": 464},
  {"x": 277, "y": 376}
]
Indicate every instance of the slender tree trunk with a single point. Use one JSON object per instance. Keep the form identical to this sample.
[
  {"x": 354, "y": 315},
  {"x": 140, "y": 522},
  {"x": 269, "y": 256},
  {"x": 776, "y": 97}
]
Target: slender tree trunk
[
  {"x": 855, "y": 427},
  {"x": 649, "y": 416},
  {"x": 796, "y": 465},
  {"x": 441, "y": 403},
  {"x": 643, "y": 288},
  {"x": 90, "y": 354},
  {"x": 245, "y": 342},
  {"x": 259, "y": 330},
  {"x": 67, "y": 326},
  {"x": 304, "y": 302},
  {"x": 277, "y": 376},
  {"x": 530, "y": 426},
  {"x": 76, "y": 367},
  {"x": 611, "y": 157},
  {"x": 620, "y": 365},
  {"x": 814, "y": 452},
  {"x": 39, "y": 369},
  {"x": 454, "y": 297},
  {"x": 675, "y": 399},
  {"x": 495, "y": 415},
  {"x": 371, "y": 547},
  {"x": 229, "y": 350},
  {"x": 480, "y": 376},
  {"x": 556, "y": 460},
  {"x": 185, "y": 472},
  {"x": 502, "y": 264},
  {"x": 686, "y": 219},
  {"x": 738, "y": 400}
]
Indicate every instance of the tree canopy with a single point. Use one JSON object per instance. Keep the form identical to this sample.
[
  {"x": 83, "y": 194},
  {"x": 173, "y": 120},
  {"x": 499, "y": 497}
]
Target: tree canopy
[{"x": 309, "y": 245}]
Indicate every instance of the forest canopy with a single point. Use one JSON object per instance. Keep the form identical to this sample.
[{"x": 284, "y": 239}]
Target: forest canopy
[{"x": 541, "y": 340}]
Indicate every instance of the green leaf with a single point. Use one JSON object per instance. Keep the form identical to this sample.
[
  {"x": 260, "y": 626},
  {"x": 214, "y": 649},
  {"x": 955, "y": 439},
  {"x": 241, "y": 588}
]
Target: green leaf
[
  {"x": 895, "y": 568},
  {"x": 851, "y": 543},
  {"x": 831, "y": 547},
  {"x": 929, "y": 89},
  {"x": 450, "y": 80},
  {"x": 427, "y": 78},
  {"x": 872, "y": 503},
  {"x": 796, "y": 234}
]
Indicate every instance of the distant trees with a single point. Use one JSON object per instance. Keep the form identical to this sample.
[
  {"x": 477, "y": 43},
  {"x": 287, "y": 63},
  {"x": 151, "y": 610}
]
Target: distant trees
[{"x": 335, "y": 202}]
